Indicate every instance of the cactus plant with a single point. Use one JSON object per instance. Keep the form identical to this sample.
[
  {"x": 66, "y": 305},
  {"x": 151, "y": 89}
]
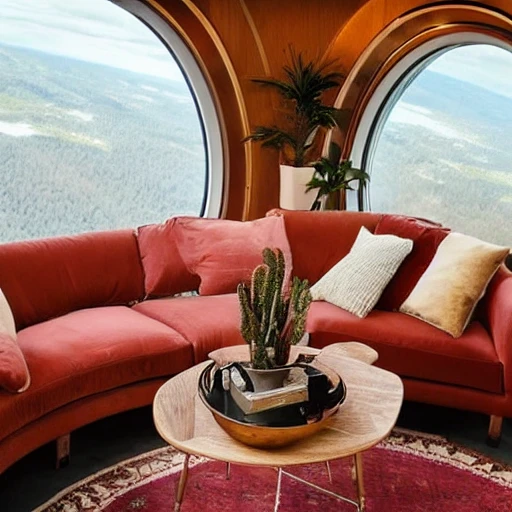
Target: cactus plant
[{"x": 271, "y": 319}]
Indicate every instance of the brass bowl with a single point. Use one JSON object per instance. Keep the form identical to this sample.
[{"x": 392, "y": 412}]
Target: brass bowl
[{"x": 258, "y": 436}]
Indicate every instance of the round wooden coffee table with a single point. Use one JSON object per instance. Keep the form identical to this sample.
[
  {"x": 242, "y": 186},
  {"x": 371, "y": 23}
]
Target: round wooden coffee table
[{"x": 374, "y": 398}]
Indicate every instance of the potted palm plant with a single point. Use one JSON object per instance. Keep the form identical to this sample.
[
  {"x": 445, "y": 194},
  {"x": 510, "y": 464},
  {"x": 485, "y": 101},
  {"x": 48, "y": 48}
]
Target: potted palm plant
[
  {"x": 272, "y": 318},
  {"x": 331, "y": 178},
  {"x": 304, "y": 117}
]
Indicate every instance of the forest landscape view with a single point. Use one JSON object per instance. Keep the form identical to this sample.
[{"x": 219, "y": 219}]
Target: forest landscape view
[
  {"x": 107, "y": 149},
  {"x": 444, "y": 152},
  {"x": 99, "y": 130},
  {"x": 90, "y": 145}
]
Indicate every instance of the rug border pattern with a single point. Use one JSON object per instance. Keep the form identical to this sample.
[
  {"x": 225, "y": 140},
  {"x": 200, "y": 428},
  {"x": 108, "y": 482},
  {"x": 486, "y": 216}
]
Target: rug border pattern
[{"x": 99, "y": 490}]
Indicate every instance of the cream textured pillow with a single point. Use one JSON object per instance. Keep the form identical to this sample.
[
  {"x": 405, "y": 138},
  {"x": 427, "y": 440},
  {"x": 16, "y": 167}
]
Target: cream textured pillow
[
  {"x": 7, "y": 324},
  {"x": 357, "y": 281},
  {"x": 456, "y": 279},
  {"x": 14, "y": 374}
]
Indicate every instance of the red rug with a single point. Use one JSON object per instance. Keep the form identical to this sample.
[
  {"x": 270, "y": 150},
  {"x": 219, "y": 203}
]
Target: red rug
[{"x": 408, "y": 472}]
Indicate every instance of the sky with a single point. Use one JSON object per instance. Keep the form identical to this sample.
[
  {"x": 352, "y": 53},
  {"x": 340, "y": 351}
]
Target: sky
[
  {"x": 484, "y": 65},
  {"x": 99, "y": 31},
  {"x": 91, "y": 30}
]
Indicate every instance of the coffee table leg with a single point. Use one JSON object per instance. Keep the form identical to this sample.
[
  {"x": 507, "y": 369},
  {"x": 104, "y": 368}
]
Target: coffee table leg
[
  {"x": 278, "y": 490},
  {"x": 358, "y": 474},
  {"x": 181, "y": 484},
  {"x": 329, "y": 474}
]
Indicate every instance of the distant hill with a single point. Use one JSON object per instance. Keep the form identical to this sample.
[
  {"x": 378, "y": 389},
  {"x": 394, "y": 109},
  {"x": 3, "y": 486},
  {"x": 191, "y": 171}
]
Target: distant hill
[{"x": 87, "y": 147}]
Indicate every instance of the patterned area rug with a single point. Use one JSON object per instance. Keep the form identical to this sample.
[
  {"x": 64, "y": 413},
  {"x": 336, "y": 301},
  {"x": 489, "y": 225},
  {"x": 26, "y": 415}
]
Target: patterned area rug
[{"x": 409, "y": 472}]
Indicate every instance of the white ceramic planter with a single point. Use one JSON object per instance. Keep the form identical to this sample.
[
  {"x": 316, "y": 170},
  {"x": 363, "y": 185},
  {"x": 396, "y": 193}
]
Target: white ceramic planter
[
  {"x": 293, "y": 195},
  {"x": 265, "y": 380}
]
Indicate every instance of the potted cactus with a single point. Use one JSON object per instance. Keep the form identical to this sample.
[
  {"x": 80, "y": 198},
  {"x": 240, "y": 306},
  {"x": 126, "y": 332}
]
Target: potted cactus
[{"x": 272, "y": 318}]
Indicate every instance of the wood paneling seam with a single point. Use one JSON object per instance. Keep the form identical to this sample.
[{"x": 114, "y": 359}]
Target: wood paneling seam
[
  {"x": 231, "y": 72},
  {"x": 256, "y": 35},
  {"x": 238, "y": 92}
]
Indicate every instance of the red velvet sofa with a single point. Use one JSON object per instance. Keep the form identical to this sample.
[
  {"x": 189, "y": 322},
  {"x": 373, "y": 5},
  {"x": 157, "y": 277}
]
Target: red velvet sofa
[{"x": 100, "y": 331}]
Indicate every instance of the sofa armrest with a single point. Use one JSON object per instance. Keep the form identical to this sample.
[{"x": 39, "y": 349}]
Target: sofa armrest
[{"x": 498, "y": 311}]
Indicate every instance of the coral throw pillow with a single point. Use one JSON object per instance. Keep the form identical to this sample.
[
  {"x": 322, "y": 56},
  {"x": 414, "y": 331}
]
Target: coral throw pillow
[
  {"x": 224, "y": 253},
  {"x": 14, "y": 375},
  {"x": 165, "y": 273},
  {"x": 357, "y": 281},
  {"x": 456, "y": 279},
  {"x": 426, "y": 237}
]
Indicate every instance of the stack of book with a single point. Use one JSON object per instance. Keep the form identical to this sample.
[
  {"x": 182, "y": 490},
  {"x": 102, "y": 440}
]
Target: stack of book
[{"x": 294, "y": 390}]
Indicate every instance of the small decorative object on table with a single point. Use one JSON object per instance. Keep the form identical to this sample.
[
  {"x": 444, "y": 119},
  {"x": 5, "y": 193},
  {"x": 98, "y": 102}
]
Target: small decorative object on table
[
  {"x": 248, "y": 399},
  {"x": 275, "y": 418}
]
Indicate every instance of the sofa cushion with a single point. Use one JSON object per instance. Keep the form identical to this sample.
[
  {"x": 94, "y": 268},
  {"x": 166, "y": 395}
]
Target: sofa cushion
[
  {"x": 426, "y": 237},
  {"x": 7, "y": 324},
  {"x": 208, "y": 322},
  {"x": 87, "y": 352},
  {"x": 14, "y": 374},
  {"x": 318, "y": 240},
  {"x": 356, "y": 282},
  {"x": 412, "y": 348},
  {"x": 225, "y": 252},
  {"x": 456, "y": 279},
  {"x": 165, "y": 273},
  {"x": 47, "y": 278}
]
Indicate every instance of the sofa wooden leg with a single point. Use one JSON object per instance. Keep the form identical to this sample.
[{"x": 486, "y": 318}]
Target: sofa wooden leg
[
  {"x": 63, "y": 446},
  {"x": 494, "y": 434}
]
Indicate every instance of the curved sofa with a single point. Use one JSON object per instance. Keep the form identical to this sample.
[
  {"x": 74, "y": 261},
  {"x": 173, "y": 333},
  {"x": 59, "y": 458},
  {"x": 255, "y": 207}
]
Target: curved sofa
[{"x": 101, "y": 327}]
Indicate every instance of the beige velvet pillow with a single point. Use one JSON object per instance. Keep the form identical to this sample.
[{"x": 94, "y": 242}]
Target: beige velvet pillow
[
  {"x": 357, "y": 281},
  {"x": 456, "y": 279}
]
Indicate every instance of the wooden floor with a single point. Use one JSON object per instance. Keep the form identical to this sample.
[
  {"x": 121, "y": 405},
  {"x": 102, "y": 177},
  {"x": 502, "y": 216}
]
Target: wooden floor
[{"x": 33, "y": 480}]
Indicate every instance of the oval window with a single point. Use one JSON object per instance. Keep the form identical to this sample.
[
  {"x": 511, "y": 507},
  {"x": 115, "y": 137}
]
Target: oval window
[
  {"x": 443, "y": 149},
  {"x": 99, "y": 128}
]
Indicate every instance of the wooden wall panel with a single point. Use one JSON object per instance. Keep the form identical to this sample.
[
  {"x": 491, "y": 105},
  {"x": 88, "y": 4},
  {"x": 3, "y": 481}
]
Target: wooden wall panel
[
  {"x": 254, "y": 36},
  {"x": 309, "y": 26},
  {"x": 240, "y": 36}
]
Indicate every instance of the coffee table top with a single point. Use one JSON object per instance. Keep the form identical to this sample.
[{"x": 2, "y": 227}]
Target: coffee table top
[{"x": 374, "y": 398}]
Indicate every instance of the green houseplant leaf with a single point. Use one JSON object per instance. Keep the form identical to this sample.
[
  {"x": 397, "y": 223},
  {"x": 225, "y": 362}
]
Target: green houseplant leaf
[
  {"x": 302, "y": 89},
  {"x": 332, "y": 175}
]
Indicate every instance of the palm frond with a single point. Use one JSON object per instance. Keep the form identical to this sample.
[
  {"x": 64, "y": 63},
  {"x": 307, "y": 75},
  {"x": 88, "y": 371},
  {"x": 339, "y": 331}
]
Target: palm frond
[
  {"x": 356, "y": 174},
  {"x": 331, "y": 175},
  {"x": 302, "y": 88},
  {"x": 305, "y": 81},
  {"x": 314, "y": 183},
  {"x": 323, "y": 116},
  {"x": 308, "y": 80},
  {"x": 284, "y": 88},
  {"x": 271, "y": 137}
]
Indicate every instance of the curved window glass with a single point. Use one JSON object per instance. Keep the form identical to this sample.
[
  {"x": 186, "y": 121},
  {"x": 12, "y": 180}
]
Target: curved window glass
[
  {"x": 98, "y": 126},
  {"x": 442, "y": 149}
]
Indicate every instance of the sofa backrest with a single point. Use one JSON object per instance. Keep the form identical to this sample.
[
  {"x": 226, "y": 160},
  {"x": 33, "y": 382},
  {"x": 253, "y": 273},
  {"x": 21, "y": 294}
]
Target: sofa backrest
[
  {"x": 45, "y": 278},
  {"x": 165, "y": 272},
  {"x": 318, "y": 240}
]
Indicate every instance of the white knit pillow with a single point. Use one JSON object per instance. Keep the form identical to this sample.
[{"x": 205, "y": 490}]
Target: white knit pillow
[{"x": 357, "y": 281}]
